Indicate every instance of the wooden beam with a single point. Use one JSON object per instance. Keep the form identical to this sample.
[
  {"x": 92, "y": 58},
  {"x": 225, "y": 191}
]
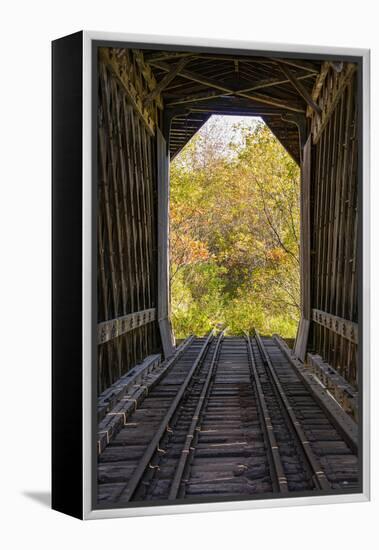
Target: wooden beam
[
  {"x": 128, "y": 403},
  {"x": 163, "y": 56},
  {"x": 305, "y": 253},
  {"x": 211, "y": 83},
  {"x": 122, "y": 76},
  {"x": 341, "y": 420},
  {"x": 343, "y": 327},
  {"x": 258, "y": 86},
  {"x": 166, "y": 80},
  {"x": 110, "y": 397},
  {"x": 147, "y": 73},
  {"x": 300, "y": 88},
  {"x": 305, "y": 225},
  {"x": 107, "y": 330},
  {"x": 238, "y": 111},
  {"x": 296, "y": 63},
  {"x": 317, "y": 87},
  {"x": 336, "y": 384},
  {"x": 163, "y": 306},
  {"x": 331, "y": 97}
]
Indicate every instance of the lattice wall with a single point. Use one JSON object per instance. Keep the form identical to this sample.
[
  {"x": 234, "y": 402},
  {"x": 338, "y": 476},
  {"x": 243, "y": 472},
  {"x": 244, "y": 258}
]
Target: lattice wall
[
  {"x": 334, "y": 224},
  {"x": 127, "y": 249}
]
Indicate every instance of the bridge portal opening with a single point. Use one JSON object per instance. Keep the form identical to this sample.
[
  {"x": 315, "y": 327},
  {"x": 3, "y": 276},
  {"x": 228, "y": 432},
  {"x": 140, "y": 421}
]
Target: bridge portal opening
[
  {"x": 227, "y": 197},
  {"x": 234, "y": 231}
]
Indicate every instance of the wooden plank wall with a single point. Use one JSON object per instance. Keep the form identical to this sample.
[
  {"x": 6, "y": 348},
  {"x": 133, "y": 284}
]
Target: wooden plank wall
[
  {"x": 127, "y": 248},
  {"x": 303, "y": 330},
  {"x": 334, "y": 225},
  {"x": 163, "y": 307}
]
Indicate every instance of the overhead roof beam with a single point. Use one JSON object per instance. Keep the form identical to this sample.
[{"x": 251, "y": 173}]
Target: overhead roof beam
[
  {"x": 151, "y": 58},
  {"x": 165, "y": 80},
  {"x": 300, "y": 88},
  {"x": 211, "y": 83},
  {"x": 258, "y": 86},
  {"x": 237, "y": 111},
  {"x": 296, "y": 63},
  {"x": 160, "y": 56}
]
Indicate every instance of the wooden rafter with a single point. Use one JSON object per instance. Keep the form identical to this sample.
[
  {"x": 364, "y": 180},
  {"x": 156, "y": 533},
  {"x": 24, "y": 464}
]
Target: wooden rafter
[
  {"x": 151, "y": 58},
  {"x": 328, "y": 91},
  {"x": 164, "y": 56},
  {"x": 107, "y": 330},
  {"x": 297, "y": 63},
  {"x": 258, "y": 86},
  {"x": 299, "y": 88},
  {"x": 320, "y": 80},
  {"x": 166, "y": 80},
  {"x": 211, "y": 83}
]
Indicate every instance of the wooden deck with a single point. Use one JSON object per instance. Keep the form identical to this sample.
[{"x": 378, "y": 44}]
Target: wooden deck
[{"x": 225, "y": 417}]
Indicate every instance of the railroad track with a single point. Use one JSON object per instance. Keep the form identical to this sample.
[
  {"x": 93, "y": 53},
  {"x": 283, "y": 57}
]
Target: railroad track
[{"x": 230, "y": 417}]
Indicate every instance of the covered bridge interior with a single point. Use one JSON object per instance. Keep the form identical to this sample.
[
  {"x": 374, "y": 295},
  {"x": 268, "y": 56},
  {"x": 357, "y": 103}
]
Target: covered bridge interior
[{"x": 150, "y": 103}]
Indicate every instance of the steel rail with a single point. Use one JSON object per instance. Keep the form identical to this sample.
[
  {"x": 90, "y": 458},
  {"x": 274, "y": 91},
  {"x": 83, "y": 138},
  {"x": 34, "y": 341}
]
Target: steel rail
[
  {"x": 281, "y": 483},
  {"x": 319, "y": 476},
  {"x": 129, "y": 489},
  {"x": 344, "y": 425},
  {"x": 185, "y": 453}
]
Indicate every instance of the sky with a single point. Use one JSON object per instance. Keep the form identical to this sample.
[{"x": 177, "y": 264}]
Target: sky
[
  {"x": 225, "y": 130},
  {"x": 226, "y": 125}
]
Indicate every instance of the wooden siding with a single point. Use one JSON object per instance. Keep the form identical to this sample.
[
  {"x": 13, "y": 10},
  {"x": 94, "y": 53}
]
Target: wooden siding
[
  {"x": 334, "y": 222},
  {"x": 164, "y": 308},
  {"x": 305, "y": 287},
  {"x": 127, "y": 255}
]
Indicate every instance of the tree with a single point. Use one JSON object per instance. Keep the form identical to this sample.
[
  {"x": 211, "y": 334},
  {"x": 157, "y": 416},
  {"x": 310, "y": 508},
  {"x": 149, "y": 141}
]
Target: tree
[{"x": 234, "y": 234}]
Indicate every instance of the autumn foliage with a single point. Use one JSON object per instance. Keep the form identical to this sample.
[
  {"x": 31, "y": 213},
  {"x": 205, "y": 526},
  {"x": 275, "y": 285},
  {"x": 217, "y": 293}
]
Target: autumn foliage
[{"x": 234, "y": 233}]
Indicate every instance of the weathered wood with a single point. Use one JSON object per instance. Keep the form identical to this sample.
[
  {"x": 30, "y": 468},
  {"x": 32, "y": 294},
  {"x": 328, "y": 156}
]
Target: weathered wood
[
  {"x": 165, "y": 56},
  {"x": 343, "y": 392},
  {"x": 300, "y": 64},
  {"x": 209, "y": 82},
  {"x": 318, "y": 473},
  {"x": 146, "y": 72},
  {"x": 305, "y": 243},
  {"x": 302, "y": 338},
  {"x": 128, "y": 490},
  {"x": 329, "y": 93},
  {"x": 126, "y": 229},
  {"x": 300, "y": 88},
  {"x": 125, "y": 396},
  {"x": 107, "y": 330},
  {"x": 108, "y": 398},
  {"x": 343, "y": 327},
  {"x": 329, "y": 224},
  {"x": 163, "y": 307},
  {"x": 334, "y": 228},
  {"x": 166, "y": 80},
  {"x": 218, "y": 431},
  {"x": 319, "y": 83},
  {"x": 121, "y": 69},
  {"x": 268, "y": 83},
  {"x": 335, "y": 222},
  {"x": 343, "y": 422},
  {"x": 305, "y": 250},
  {"x": 115, "y": 208},
  {"x": 128, "y": 187}
]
